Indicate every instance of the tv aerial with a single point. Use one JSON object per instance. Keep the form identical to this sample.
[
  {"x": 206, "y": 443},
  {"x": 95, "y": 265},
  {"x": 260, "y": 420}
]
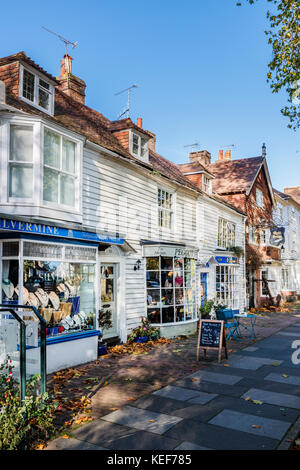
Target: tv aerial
[
  {"x": 193, "y": 146},
  {"x": 66, "y": 41},
  {"x": 129, "y": 91}
]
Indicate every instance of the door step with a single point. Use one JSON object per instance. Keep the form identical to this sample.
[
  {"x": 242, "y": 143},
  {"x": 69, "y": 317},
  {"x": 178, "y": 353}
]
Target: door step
[{"x": 113, "y": 341}]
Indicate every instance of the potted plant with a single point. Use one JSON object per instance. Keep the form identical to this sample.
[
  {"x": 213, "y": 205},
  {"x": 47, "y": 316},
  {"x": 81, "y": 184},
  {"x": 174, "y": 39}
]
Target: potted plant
[
  {"x": 143, "y": 333},
  {"x": 206, "y": 308},
  {"x": 104, "y": 322},
  {"x": 237, "y": 250},
  {"x": 218, "y": 307}
]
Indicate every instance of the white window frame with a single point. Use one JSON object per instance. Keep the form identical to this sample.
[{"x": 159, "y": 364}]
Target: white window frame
[
  {"x": 261, "y": 283},
  {"x": 264, "y": 239},
  {"x": 206, "y": 184},
  {"x": 285, "y": 278},
  {"x": 76, "y": 175},
  {"x": 227, "y": 288},
  {"x": 139, "y": 155},
  {"x": 259, "y": 197},
  {"x": 252, "y": 235},
  {"x": 162, "y": 210},
  {"x": 224, "y": 238},
  {"x": 37, "y": 78}
]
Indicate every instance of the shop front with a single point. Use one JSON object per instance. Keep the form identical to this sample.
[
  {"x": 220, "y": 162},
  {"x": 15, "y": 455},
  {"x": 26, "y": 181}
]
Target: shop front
[
  {"x": 227, "y": 286},
  {"x": 172, "y": 294},
  {"x": 57, "y": 271}
]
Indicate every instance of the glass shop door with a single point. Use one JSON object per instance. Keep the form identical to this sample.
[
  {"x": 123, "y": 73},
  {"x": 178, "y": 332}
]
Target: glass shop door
[{"x": 108, "y": 292}]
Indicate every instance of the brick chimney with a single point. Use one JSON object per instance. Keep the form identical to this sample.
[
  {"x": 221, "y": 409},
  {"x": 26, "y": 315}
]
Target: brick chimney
[
  {"x": 139, "y": 123},
  {"x": 68, "y": 83},
  {"x": 227, "y": 155},
  {"x": 220, "y": 157},
  {"x": 203, "y": 157}
]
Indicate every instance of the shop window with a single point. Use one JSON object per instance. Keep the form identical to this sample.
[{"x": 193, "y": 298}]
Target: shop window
[
  {"x": 20, "y": 172},
  {"x": 60, "y": 186},
  {"x": 39, "y": 92},
  {"x": 63, "y": 290},
  {"x": 226, "y": 233},
  {"x": 226, "y": 291},
  {"x": 171, "y": 289},
  {"x": 264, "y": 278},
  {"x": 165, "y": 209},
  {"x": 285, "y": 279}
]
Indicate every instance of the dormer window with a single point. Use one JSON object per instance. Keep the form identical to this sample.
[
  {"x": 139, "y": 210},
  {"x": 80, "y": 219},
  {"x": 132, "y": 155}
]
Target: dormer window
[
  {"x": 139, "y": 146},
  {"x": 259, "y": 198},
  {"x": 37, "y": 91},
  {"x": 206, "y": 184}
]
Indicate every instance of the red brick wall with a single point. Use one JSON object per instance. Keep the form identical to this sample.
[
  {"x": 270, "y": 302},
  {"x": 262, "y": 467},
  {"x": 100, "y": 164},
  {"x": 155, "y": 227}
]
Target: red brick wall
[
  {"x": 123, "y": 137},
  {"x": 196, "y": 179},
  {"x": 9, "y": 74}
]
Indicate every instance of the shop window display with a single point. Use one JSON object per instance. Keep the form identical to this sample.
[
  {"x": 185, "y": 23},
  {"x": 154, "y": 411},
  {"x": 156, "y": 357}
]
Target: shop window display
[
  {"x": 171, "y": 285},
  {"x": 62, "y": 291}
]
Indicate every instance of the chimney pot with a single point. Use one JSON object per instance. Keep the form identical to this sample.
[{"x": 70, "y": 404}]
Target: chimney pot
[
  {"x": 220, "y": 157},
  {"x": 228, "y": 155},
  {"x": 66, "y": 65},
  {"x": 140, "y": 123},
  {"x": 68, "y": 83}
]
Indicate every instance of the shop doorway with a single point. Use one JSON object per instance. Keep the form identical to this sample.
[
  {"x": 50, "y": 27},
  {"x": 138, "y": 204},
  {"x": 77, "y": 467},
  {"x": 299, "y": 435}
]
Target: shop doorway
[{"x": 108, "y": 296}]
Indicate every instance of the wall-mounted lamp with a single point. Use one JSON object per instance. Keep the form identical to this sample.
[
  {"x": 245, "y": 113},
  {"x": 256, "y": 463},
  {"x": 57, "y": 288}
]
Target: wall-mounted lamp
[
  {"x": 137, "y": 265},
  {"x": 282, "y": 249}
]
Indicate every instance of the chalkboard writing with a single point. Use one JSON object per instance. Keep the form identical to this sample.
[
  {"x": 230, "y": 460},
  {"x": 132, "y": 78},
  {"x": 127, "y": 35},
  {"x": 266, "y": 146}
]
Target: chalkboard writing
[{"x": 211, "y": 336}]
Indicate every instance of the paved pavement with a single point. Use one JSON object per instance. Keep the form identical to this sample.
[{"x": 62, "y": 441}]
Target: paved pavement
[{"x": 248, "y": 402}]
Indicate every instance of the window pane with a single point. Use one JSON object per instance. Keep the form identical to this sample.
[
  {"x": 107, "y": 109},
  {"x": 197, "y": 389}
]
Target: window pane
[
  {"x": 50, "y": 185},
  {"x": 68, "y": 156},
  {"x": 43, "y": 98},
  {"x": 28, "y": 85},
  {"x": 144, "y": 147},
  {"x": 67, "y": 190},
  {"x": 21, "y": 143},
  {"x": 135, "y": 144},
  {"x": 51, "y": 149},
  {"x": 20, "y": 181}
]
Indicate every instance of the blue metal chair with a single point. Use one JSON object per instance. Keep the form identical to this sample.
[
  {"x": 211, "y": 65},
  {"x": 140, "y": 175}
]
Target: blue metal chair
[{"x": 230, "y": 323}]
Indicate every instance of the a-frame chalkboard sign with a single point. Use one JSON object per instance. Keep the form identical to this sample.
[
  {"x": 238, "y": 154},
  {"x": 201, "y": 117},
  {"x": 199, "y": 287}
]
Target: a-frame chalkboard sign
[{"x": 212, "y": 336}]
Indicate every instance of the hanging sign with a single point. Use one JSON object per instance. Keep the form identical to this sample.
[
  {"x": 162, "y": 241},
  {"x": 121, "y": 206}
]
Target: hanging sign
[
  {"x": 212, "y": 336},
  {"x": 170, "y": 251},
  {"x": 226, "y": 260},
  {"x": 277, "y": 237}
]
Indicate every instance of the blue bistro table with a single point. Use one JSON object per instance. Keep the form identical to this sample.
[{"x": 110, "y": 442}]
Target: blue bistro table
[{"x": 250, "y": 326}]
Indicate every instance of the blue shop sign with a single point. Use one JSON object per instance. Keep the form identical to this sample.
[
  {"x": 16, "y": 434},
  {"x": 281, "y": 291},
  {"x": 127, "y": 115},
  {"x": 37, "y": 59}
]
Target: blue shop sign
[
  {"x": 226, "y": 259},
  {"x": 50, "y": 230}
]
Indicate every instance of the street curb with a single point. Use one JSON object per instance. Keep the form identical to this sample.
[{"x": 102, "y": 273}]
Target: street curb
[{"x": 290, "y": 436}]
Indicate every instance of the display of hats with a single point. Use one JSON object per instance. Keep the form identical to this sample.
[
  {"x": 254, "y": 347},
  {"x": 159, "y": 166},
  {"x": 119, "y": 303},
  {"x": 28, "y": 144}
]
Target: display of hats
[
  {"x": 33, "y": 300},
  {"x": 25, "y": 294},
  {"x": 42, "y": 296},
  {"x": 63, "y": 288},
  {"x": 71, "y": 288},
  {"x": 54, "y": 299},
  {"x": 66, "y": 308},
  {"x": 8, "y": 288},
  {"x": 69, "y": 321},
  {"x": 77, "y": 320},
  {"x": 57, "y": 316},
  {"x": 46, "y": 314},
  {"x": 65, "y": 325}
]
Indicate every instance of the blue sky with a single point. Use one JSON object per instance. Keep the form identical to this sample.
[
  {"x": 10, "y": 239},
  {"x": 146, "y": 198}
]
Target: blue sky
[{"x": 201, "y": 68}]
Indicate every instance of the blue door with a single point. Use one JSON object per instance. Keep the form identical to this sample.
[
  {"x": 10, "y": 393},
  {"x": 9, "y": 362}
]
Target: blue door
[{"x": 203, "y": 286}]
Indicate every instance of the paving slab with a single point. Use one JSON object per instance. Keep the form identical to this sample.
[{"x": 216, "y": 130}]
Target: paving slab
[
  {"x": 225, "y": 378},
  {"x": 271, "y": 386},
  {"x": 274, "y": 398},
  {"x": 190, "y": 446},
  {"x": 288, "y": 333},
  {"x": 176, "y": 393},
  {"x": 248, "y": 423},
  {"x": 252, "y": 363},
  {"x": 159, "y": 404},
  {"x": 201, "y": 413},
  {"x": 72, "y": 444},
  {"x": 146, "y": 420},
  {"x": 284, "y": 378},
  {"x": 212, "y": 387},
  {"x": 219, "y": 438},
  {"x": 250, "y": 349}
]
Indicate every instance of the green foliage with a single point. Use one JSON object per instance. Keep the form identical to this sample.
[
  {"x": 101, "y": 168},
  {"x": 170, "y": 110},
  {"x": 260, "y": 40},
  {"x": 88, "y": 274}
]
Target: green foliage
[
  {"x": 23, "y": 424},
  {"x": 206, "y": 308},
  {"x": 145, "y": 329},
  {"x": 104, "y": 319},
  {"x": 219, "y": 306},
  {"x": 237, "y": 250},
  {"x": 284, "y": 68}
]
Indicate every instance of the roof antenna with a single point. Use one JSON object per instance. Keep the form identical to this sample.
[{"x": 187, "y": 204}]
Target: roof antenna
[
  {"x": 66, "y": 41},
  {"x": 192, "y": 146},
  {"x": 129, "y": 90},
  {"x": 264, "y": 150}
]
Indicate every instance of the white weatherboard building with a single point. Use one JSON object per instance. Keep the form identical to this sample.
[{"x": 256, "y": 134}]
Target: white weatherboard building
[{"x": 91, "y": 218}]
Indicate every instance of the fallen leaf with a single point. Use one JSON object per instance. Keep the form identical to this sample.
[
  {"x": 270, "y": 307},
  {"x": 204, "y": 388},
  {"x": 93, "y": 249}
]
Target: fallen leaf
[
  {"x": 248, "y": 398},
  {"x": 275, "y": 364},
  {"x": 226, "y": 365},
  {"x": 285, "y": 376},
  {"x": 113, "y": 409},
  {"x": 65, "y": 436},
  {"x": 256, "y": 426},
  {"x": 151, "y": 420},
  {"x": 257, "y": 402}
]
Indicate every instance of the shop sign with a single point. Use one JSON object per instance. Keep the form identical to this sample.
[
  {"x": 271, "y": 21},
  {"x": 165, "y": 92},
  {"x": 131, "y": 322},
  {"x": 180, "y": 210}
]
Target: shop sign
[
  {"x": 226, "y": 259},
  {"x": 170, "y": 252},
  {"x": 277, "y": 237},
  {"x": 49, "y": 230}
]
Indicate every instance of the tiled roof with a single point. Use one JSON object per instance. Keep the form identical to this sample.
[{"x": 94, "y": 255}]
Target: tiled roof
[
  {"x": 282, "y": 195},
  {"x": 193, "y": 167},
  {"x": 21, "y": 56},
  {"x": 127, "y": 123},
  {"x": 294, "y": 193},
  {"x": 234, "y": 176}
]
